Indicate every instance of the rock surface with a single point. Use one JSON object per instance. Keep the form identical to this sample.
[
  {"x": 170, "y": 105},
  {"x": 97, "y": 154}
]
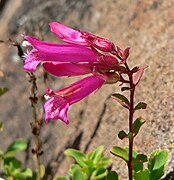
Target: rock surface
[{"x": 145, "y": 26}]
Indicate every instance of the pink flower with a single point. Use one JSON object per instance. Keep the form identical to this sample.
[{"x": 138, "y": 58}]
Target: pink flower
[
  {"x": 60, "y": 100},
  {"x": 67, "y": 69},
  {"x": 45, "y": 51},
  {"x": 86, "y": 53},
  {"x": 82, "y": 38}
]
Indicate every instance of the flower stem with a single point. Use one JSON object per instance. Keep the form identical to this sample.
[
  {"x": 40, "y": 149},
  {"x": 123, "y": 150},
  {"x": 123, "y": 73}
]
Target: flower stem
[
  {"x": 36, "y": 124},
  {"x": 131, "y": 112}
]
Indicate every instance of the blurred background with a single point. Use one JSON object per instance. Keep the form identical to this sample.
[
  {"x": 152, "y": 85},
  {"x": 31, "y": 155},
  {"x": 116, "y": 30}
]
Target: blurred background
[{"x": 145, "y": 26}]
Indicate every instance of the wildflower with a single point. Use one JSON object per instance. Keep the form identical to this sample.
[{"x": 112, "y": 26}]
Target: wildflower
[
  {"x": 59, "y": 101},
  {"x": 82, "y": 38},
  {"x": 85, "y": 53},
  {"x": 45, "y": 51}
]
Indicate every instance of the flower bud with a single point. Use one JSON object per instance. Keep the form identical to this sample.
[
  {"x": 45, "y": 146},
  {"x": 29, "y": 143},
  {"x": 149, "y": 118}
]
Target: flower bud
[{"x": 98, "y": 42}]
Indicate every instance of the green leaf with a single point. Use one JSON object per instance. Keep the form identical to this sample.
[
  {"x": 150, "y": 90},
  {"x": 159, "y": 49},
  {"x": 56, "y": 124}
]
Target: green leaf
[
  {"x": 1, "y": 154},
  {"x": 125, "y": 88},
  {"x": 99, "y": 174},
  {"x": 77, "y": 155},
  {"x": 73, "y": 168},
  {"x": 27, "y": 172},
  {"x": 137, "y": 165},
  {"x": 61, "y": 178},
  {"x": 34, "y": 176},
  {"x": 120, "y": 152},
  {"x": 157, "y": 163},
  {"x": 137, "y": 125},
  {"x": 112, "y": 175},
  {"x": 134, "y": 153},
  {"x": 130, "y": 135},
  {"x": 78, "y": 175},
  {"x": 104, "y": 162},
  {"x": 11, "y": 165},
  {"x": 1, "y": 126},
  {"x": 3, "y": 90},
  {"x": 142, "y": 175},
  {"x": 97, "y": 154},
  {"x": 42, "y": 170},
  {"x": 141, "y": 157},
  {"x": 140, "y": 105},
  {"x": 122, "y": 134},
  {"x": 121, "y": 99},
  {"x": 15, "y": 147}
]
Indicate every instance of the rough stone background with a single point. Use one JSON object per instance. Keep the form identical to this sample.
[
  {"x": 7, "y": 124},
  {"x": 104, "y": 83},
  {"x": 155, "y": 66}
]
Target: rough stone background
[{"x": 145, "y": 26}]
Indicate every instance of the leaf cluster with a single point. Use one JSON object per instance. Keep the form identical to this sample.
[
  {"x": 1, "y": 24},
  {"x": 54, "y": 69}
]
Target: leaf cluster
[
  {"x": 91, "y": 166},
  {"x": 156, "y": 163},
  {"x": 11, "y": 166}
]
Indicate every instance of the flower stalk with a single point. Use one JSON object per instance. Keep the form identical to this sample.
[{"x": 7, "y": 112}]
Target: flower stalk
[
  {"x": 131, "y": 112},
  {"x": 36, "y": 124}
]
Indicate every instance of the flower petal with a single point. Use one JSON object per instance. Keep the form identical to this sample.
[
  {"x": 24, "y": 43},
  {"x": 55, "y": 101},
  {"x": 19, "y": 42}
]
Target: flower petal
[
  {"x": 67, "y": 34},
  {"x": 80, "y": 89},
  {"x": 67, "y": 69},
  {"x": 61, "y": 52},
  {"x": 56, "y": 108},
  {"x": 31, "y": 61}
]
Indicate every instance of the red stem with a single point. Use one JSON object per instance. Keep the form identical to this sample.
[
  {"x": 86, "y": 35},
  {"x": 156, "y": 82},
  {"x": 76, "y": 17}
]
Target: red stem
[{"x": 131, "y": 112}]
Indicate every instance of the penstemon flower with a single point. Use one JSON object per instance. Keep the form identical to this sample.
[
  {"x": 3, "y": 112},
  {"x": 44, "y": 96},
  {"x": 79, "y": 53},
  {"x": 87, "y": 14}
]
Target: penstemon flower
[
  {"x": 85, "y": 53},
  {"x": 60, "y": 100}
]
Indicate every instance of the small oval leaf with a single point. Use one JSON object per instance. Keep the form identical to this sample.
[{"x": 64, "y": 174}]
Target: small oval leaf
[
  {"x": 125, "y": 88},
  {"x": 120, "y": 152},
  {"x": 122, "y": 134},
  {"x": 121, "y": 99},
  {"x": 141, "y": 157},
  {"x": 15, "y": 147},
  {"x": 112, "y": 175},
  {"x": 140, "y": 105},
  {"x": 3, "y": 90},
  {"x": 137, "y": 125},
  {"x": 142, "y": 175},
  {"x": 78, "y": 175},
  {"x": 157, "y": 163},
  {"x": 1, "y": 126},
  {"x": 77, "y": 155}
]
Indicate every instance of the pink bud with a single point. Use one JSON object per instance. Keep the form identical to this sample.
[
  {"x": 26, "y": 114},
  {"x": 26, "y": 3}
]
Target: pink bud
[{"x": 98, "y": 42}]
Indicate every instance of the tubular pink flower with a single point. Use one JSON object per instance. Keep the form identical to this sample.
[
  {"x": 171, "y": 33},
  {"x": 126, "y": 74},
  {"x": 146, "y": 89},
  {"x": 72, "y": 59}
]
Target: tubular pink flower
[
  {"x": 82, "y": 38},
  {"x": 67, "y": 69},
  {"x": 45, "y": 51},
  {"x": 60, "y": 100}
]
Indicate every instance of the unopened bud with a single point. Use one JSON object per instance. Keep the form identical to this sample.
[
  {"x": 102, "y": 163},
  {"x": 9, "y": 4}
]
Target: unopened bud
[
  {"x": 98, "y": 42},
  {"x": 112, "y": 77}
]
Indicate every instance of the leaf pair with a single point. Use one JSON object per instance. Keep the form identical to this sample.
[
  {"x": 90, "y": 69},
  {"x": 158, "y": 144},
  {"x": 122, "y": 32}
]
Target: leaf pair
[
  {"x": 135, "y": 129},
  {"x": 125, "y": 102}
]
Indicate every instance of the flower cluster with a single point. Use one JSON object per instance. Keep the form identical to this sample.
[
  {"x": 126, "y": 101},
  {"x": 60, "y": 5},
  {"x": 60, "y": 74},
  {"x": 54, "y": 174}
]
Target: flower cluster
[{"x": 84, "y": 53}]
